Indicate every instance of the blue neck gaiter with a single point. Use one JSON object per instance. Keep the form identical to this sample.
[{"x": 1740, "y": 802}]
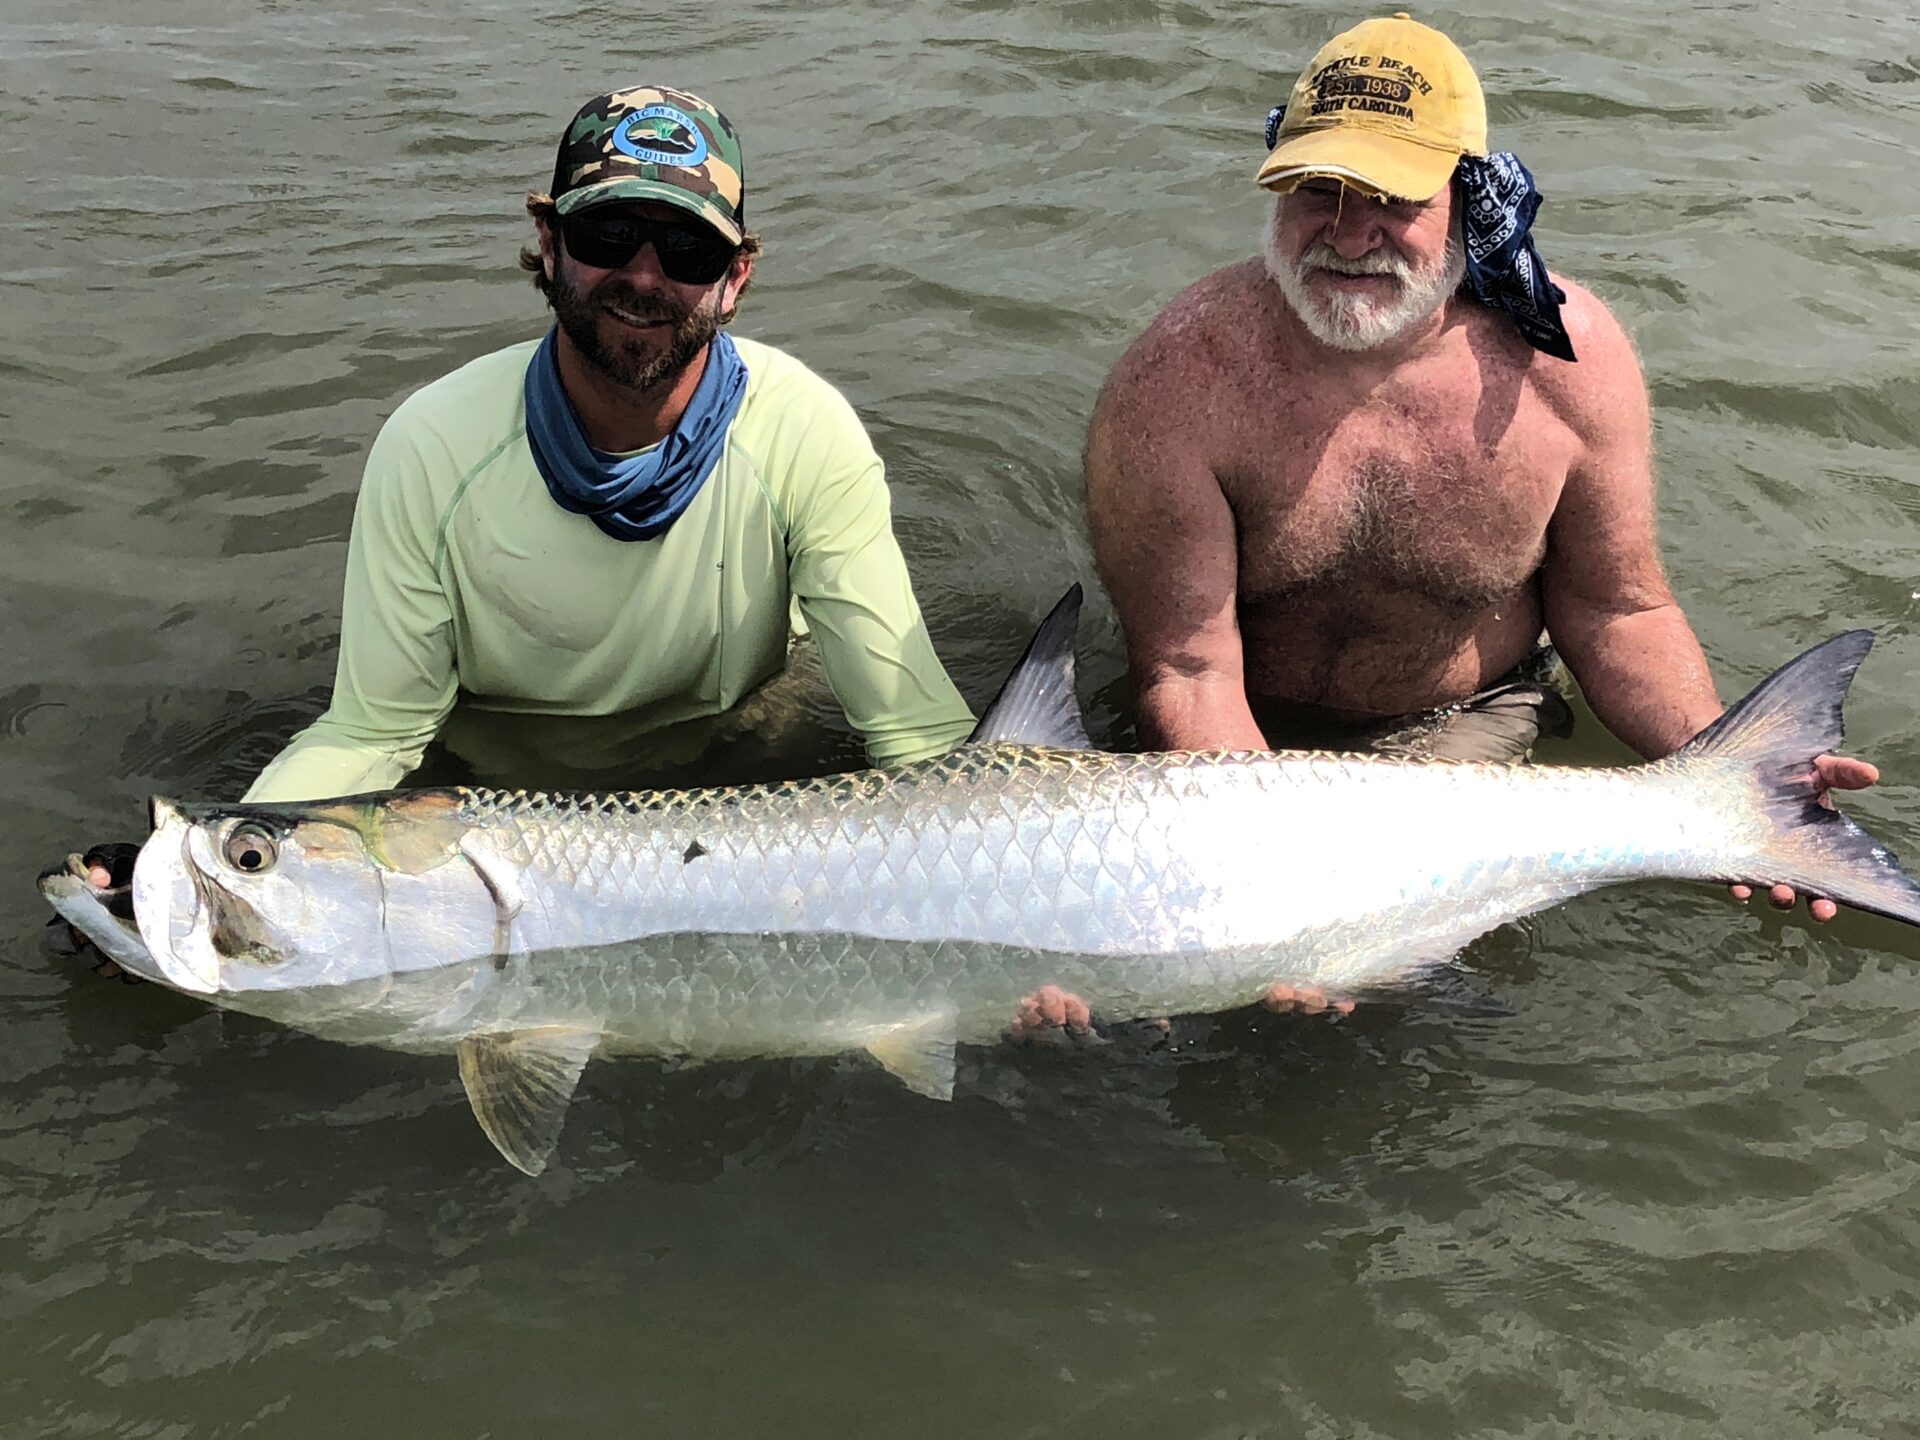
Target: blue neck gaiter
[{"x": 633, "y": 497}]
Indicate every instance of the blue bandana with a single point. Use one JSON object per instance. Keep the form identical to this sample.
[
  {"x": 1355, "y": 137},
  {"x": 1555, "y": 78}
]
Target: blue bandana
[
  {"x": 632, "y": 497},
  {"x": 1504, "y": 270}
]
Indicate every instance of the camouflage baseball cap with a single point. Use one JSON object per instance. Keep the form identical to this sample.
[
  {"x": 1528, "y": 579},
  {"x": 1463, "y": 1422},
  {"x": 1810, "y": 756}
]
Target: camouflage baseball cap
[{"x": 652, "y": 143}]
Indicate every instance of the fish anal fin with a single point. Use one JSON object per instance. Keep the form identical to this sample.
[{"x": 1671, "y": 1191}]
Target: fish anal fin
[
  {"x": 919, "y": 1053},
  {"x": 520, "y": 1083}
]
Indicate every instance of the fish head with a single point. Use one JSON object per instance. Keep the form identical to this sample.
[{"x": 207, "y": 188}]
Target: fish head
[{"x": 329, "y": 898}]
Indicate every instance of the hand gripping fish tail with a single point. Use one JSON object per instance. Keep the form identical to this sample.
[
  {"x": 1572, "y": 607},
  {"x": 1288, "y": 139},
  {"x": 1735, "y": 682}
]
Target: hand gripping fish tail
[
  {"x": 904, "y": 910},
  {"x": 1774, "y": 733}
]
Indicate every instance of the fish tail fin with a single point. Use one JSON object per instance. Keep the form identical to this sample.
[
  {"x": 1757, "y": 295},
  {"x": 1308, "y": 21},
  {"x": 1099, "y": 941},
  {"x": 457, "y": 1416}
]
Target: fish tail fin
[{"x": 1777, "y": 730}]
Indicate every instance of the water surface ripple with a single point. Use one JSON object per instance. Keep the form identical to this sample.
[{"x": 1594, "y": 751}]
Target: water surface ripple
[{"x": 1674, "y": 1193}]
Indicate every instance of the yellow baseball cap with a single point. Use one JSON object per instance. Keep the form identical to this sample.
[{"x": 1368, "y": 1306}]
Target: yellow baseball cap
[{"x": 1388, "y": 107}]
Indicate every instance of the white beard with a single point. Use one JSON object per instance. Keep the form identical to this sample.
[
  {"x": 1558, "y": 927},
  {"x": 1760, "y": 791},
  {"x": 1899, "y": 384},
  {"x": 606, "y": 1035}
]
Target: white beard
[{"x": 1344, "y": 321}]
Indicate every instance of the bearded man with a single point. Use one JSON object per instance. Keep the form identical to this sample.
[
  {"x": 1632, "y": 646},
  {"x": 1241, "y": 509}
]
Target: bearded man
[
  {"x": 622, "y": 517},
  {"x": 1340, "y": 492}
]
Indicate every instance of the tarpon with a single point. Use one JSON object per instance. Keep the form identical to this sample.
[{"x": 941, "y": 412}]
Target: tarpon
[{"x": 908, "y": 909}]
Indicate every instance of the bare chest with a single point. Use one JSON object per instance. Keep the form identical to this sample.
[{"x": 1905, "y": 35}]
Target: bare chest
[{"x": 1423, "y": 496}]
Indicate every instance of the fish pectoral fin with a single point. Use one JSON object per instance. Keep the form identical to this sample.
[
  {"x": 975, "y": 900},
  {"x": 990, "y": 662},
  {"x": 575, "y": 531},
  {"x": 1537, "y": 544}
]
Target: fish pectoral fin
[
  {"x": 520, "y": 1083},
  {"x": 919, "y": 1053}
]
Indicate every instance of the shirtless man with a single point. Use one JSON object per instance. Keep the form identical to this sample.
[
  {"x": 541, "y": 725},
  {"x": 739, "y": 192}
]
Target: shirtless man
[{"x": 1337, "y": 490}]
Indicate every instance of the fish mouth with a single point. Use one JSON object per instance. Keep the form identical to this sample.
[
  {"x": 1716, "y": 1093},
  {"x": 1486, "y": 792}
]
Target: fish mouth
[
  {"x": 174, "y": 912},
  {"x": 97, "y": 915},
  {"x": 117, "y": 900},
  {"x": 64, "y": 883},
  {"x": 56, "y": 874}
]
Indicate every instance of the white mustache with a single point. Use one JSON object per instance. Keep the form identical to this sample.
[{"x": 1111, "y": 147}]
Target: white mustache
[{"x": 1322, "y": 256}]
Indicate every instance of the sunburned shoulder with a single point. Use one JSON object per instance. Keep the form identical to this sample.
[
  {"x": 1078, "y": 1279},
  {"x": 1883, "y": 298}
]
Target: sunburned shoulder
[
  {"x": 1209, "y": 327},
  {"x": 1605, "y": 355},
  {"x": 1600, "y": 396}
]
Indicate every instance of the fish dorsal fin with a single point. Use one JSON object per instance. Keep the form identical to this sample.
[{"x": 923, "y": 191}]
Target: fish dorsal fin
[
  {"x": 520, "y": 1083},
  {"x": 1037, "y": 704},
  {"x": 919, "y": 1053}
]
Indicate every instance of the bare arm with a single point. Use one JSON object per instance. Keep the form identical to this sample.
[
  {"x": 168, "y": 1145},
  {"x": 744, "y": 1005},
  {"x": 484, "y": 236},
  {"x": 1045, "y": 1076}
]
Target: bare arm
[
  {"x": 1608, "y": 606},
  {"x": 1163, "y": 536}
]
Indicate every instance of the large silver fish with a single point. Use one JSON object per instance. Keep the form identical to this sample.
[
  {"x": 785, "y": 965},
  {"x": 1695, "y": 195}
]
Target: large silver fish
[{"x": 907, "y": 909}]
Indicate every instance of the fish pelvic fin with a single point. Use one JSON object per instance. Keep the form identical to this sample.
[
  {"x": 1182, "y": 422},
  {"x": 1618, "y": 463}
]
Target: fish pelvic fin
[
  {"x": 1037, "y": 704},
  {"x": 520, "y": 1083},
  {"x": 1776, "y": 731},
  {"x": 919, "y": 1053}
]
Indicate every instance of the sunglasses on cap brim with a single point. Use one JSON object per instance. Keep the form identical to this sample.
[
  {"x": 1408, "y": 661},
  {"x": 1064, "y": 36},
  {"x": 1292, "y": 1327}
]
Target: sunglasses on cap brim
[{"x": 689, "y": 254}]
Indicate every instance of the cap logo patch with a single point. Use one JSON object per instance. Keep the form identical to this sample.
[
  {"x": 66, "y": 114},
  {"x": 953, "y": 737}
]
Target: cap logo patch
[
  {"x": 1337, "y": 87},
  {"x": 661, "y": 135}
]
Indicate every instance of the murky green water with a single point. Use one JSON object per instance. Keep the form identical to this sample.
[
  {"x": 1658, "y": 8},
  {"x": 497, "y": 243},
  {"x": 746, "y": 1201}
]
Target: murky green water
[{"x": 1674, "y": 1194}]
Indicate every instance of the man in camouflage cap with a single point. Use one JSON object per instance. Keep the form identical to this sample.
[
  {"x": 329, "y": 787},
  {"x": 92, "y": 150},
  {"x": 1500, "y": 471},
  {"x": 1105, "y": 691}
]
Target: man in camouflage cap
[
  {"x": 632, "y": 515},
  {"x": 653, "y": 144},
  {"x": 627, "y": 158},
  {"x": 629, "y": 518}
]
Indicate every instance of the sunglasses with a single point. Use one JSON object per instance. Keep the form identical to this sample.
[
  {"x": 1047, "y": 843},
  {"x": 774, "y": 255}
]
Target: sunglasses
[{"x": 688, "y": 254}]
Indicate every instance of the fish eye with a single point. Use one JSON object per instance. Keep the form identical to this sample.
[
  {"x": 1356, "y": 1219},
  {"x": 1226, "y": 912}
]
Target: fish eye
[{"x": 250, "y": 849}]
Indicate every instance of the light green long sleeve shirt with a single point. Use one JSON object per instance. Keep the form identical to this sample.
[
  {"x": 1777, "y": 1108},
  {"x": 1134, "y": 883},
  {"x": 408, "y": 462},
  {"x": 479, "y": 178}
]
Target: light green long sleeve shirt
[{"x": 465, "y": 580}]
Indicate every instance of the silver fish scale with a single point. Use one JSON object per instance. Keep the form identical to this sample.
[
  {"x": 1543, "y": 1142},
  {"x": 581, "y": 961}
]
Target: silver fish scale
[
  {"x": 713, "y": 995},
  {"x": 903, "y": 908},
  {"x": 819, "y": 915},
  {"x": 976, "y": 841},
  {"x": 1336, "y": 861}
]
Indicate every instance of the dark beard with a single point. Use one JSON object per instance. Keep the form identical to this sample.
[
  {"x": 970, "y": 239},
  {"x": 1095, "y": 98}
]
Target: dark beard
[{"x": 626, "y": 365}]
